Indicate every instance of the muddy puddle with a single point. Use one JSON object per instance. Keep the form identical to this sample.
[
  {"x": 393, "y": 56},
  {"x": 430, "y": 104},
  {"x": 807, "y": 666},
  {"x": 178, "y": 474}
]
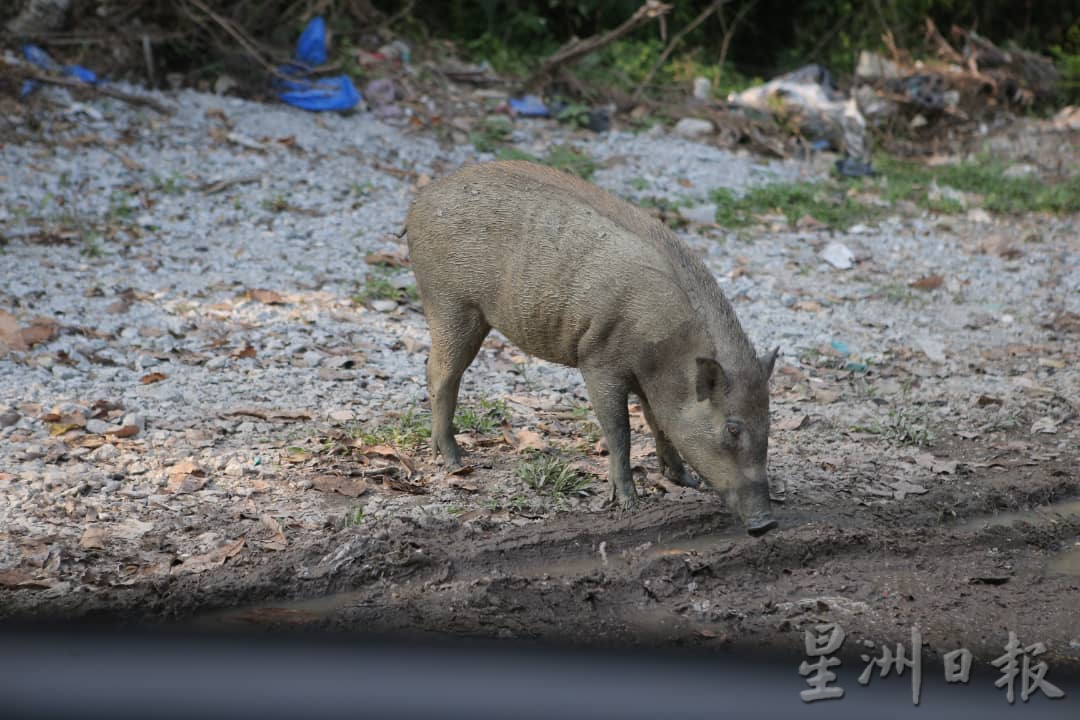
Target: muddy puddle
[
  {"x": 1067, "y": 562},
  {"x": 600, "y": 558},
  {"x": 1037, "y": 516}
]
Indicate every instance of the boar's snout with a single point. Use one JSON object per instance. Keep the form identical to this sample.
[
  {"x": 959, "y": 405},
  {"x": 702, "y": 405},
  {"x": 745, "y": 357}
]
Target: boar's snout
[{"x": 760, "y": 524}]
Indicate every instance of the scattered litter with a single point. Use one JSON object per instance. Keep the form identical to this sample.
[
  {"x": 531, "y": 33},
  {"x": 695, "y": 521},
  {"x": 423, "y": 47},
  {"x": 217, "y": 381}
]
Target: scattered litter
[
  {"x": 528, "y": 106},
  {"x": 838, "y": 255},
  {"x": 331, "y": 93},
  {"x": 36, "y": 56}
]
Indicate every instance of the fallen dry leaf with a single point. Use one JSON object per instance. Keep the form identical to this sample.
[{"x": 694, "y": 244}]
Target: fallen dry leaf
[
  {"x": 935, "y": 465},
  {"x": 278, "y": 541},
  {"x": 93, "y": 537},
  {"x": 347, "y": 486},
  {"x": 208, "y": 561},
  {"x": 10, "y": 334},
  {"x": 124, "y": 431},
  {"x": 266, "y": 297},
  {"x": 153, "y": 377},
  {"x": 39, "y": 331},
  {"x": 528, "y": 440},
  {"x": 392, "y": 258},
  {"x": 57, "y": 429},
  {"x": 246, "y": 352},
  {"x": 22, "y": 578},
  {"x": 792, "y": 423},
  {"x": 270, "y": 413},
  {"x": 928, "y": 282}
]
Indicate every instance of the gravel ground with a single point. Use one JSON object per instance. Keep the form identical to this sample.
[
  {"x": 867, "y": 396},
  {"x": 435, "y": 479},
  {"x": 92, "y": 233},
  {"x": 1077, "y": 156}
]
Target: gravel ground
[{"x": 223, "y": 248}]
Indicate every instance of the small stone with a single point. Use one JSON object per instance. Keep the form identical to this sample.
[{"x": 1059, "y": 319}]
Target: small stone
[
  {"x": 342, "y": 415},
  {"x": 8, "y": 418},
  {"x": 704, "y": 214},
  {"x": 217, "y": 363},
  {"x": 99, "y": 427},
  {"x": 1020, "y": 170},
  {"x": 693, "y": 128},
  {"x": 105, "y": 453},
  {"x": 110, "y": 487},
  {"x": 235, "y": 468},
  {"x": 384, "y": 306},
  {"x": 312, "y": 358},
  {"x": 135, "y": 420},
  {"x": 137, "y": 468},
  {"x": 787, "y": 300},
  {"x": 33, "y": 452},
  {"x": 838, "y": 255}
]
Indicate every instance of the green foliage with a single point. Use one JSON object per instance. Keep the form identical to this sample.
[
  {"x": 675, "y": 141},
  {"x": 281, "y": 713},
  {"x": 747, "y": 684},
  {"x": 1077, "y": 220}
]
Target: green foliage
[
  {"x": 379, "y": 285},
  {"x": 982, "y": 176},
  {"x": 551, "y": 475},
  {"x": 826, "y": 202},
  {"x": 561, "y": 157},
  {"x": 408, "y": 430},
  {"x": 485, "y": 419}
]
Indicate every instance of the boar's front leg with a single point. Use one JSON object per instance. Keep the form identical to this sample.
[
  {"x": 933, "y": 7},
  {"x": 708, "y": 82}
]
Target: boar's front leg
[
  {"x": 609, "y": 395},
  {"x": 454, "y": 344},
  {"x": 671, "y": 464}
]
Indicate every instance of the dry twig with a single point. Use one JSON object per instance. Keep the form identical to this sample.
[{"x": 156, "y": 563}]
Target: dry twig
[{"x": 576, "y": 49}]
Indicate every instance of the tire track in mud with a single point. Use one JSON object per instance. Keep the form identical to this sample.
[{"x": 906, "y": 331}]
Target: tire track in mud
[
  {"x": 679, "y": 571},
  {"x": 682, "y": 574}
]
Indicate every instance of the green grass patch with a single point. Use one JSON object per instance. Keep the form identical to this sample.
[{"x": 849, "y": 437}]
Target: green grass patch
[
  {"x": 826, "y": 202},
  {"x": 379, "y": 285},
  {"x": 410, "y": 429},
  {"x": 983, "y": 176},
  {"x": 550, "y": 475},
  {"x": 561, "y": 157},
  {"x": 484, "y": 419}
]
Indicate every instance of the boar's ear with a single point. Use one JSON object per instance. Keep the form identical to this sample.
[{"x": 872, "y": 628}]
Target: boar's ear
[
  {"x": 710, "y": 377},
  {"x": 767, "y": 361}
]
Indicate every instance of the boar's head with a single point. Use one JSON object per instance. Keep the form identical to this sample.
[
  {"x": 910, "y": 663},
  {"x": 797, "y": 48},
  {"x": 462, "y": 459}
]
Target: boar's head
[{"x": 725, "y": 432}]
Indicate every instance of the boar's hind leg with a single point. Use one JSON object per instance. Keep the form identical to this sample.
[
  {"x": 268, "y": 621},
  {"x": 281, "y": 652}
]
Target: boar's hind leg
[
  {"x": 609, "y": 395},
  {"x": 454, "y": 345},
  {"x": 670, "y": 463}
]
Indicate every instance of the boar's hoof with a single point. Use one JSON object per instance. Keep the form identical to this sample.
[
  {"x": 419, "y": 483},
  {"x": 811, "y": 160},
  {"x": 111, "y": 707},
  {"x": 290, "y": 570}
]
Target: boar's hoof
[
  {"x": 760, "y": 524},
  {"x": 684, "y": 478}
]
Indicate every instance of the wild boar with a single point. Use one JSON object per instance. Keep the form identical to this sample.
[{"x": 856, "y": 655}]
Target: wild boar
[{"x": 573, "y": 275}]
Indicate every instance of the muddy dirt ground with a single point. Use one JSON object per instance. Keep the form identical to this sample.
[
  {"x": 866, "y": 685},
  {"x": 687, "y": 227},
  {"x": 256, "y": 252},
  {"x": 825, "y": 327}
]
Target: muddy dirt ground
[{"x": 924, "y": 445}]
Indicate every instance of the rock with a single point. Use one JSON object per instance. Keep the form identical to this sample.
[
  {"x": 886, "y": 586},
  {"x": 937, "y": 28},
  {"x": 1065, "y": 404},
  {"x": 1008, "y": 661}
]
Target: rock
[
  {"x": 1020, "y": 170},
  {"x": 235, "y": 468},
  {"x": 33, "y": 452},
  {"x": 838, "y": 255},
  {"x": 105, "y": 453},
  {"x": 384, "y": 306},
  {"x": 702, "y": 88},
  {"x": 693, "y": 128},
  {"x": 110, "y": 486},
  {"x": 99, "y": 427},
  {"x": 217, "y": 363},
  {"x": 978, "y": 215},
  {"x": 9, "y": 418},
  {"x": 873, "y": 66},
  {"x": 704, "y": 214},
  {"x": 137, "y": 468},
  {"x": 312, "y": 358},
  {"x": 342, "y": 415}
]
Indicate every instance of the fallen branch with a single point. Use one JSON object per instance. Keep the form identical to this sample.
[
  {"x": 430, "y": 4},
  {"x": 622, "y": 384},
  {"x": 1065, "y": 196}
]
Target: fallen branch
[
  {"x": 576, "y": 49},
  {"x": 25, "y": 73},
  {"x": 690, "y": 27}
]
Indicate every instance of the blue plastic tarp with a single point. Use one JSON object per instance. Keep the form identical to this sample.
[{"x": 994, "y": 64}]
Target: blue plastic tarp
[
  {"x": 36, "y": 56},
  {"x": 333, "y": 93}
]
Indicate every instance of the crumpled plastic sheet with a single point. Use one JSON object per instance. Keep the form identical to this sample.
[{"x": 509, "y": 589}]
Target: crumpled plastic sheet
[
  {"x": 332, "y": 93},
  {"x": 529, "y": 106},
  {"x": 36, "y": 56}
]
